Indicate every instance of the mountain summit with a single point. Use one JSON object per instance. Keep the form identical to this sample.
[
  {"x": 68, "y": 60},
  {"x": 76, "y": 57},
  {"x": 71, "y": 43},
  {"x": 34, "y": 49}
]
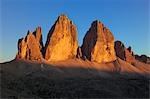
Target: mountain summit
[
  {"x": 61, "y": 41},
  {"x": 30, "y": 47},
  {"x": 98, "y": 43}
]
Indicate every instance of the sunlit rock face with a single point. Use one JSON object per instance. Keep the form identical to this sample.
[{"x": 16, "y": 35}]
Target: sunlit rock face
[
  {"x": 29, "y": 48},
  {"x": 98, "y": 44},
  {"x": 61, "y": 41},
  {"x": 124, "y": 53},
  {"x": 38, "y": 35},
  {"x": 22, "y": 48}
]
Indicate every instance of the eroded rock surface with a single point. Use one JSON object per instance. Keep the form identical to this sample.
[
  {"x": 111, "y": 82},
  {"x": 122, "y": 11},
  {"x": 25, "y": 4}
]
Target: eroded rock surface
[
  {"x": 124, "y": 53},
  {"x": 61, "y": 41},
  {"x": 79, "y": 53},
  {"x": 22, "y": 48},
  {"x": 38, "y": 36},
  {"x": 143, "y": 58},
  {"x": 98, "y": 44},
  {"x": 29, "y": 48}
]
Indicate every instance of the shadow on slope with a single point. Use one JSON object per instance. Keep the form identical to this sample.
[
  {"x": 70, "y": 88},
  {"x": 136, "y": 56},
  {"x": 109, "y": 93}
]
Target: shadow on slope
[{"x": 38, "y": 80}]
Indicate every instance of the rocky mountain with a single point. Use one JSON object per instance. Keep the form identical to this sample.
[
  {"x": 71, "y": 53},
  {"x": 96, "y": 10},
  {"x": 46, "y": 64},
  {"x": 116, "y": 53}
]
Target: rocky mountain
[
  {"x": 143, "y": 58},
  {"x": 100, "y": 68},
  {"x": 79, "y": 53},
  {"x": 98, "y": 44},
  {"x": 38, "y": 35},
  {"x": 29, "y": 48},
  {"x": 61, "y": 41},
  {"x": 62, "y": 44},
  {"x": 124, "y": 53}
]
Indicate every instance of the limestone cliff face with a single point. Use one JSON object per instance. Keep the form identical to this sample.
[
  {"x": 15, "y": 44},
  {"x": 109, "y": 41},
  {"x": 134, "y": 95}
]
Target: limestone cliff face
[
  {"x": 124, "y": 53},
  {"x": 29, "y": 48},
  {"x": 62, "y": 44},
  {"x": 38, "y": 35},
  {"x": 22, "y": 48},
  {"x": 61, "y": 41},
  {"x": 98, "y": 44}
]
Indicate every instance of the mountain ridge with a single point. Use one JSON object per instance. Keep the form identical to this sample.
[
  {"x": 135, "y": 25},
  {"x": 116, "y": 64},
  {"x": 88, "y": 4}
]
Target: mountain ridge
[{"x": 62, "y": 44}]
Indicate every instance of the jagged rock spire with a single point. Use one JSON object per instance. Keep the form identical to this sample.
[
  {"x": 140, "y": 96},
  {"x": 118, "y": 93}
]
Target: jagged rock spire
[
  {"x": 61, "y": 41},
  {"x": 30, "y": 47},
  {"x": 124, "y": 53},
  {"x": 98, "y": 43}
]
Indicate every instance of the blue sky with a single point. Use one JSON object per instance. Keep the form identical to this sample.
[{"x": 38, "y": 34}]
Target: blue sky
[{"x": 128, "y": 20}]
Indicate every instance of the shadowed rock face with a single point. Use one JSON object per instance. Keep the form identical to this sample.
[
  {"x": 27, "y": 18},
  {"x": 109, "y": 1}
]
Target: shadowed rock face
[
  {"x": 61, "y": 41},
  {"x": 143, "y": 58},
  {"x": 98, "y": 44},
  {"x": 79, "y": 53},
  {"x": 123, "y": 52},
  {"x": 29, "y": 48}
]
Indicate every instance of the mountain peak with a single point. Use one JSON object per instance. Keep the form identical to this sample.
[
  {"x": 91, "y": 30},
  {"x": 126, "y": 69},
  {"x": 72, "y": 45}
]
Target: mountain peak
[
  {"x": 62, "y": 44},
  {"x": 61, "y": 41},
  {"x": 62, "y": 18},
  {"x": 97, "y": 23},
  {"x": 29, "y": 48},
  {"x": 98, "y": 43}
]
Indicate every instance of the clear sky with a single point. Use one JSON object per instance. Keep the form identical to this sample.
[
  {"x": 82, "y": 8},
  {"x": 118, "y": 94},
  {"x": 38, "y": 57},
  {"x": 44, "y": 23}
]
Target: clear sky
[{"x": 128, "y": 20}]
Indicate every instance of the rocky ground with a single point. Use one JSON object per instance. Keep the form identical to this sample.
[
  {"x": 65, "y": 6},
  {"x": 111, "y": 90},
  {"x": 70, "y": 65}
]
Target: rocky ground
[{"x": 37, "y": 80}]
